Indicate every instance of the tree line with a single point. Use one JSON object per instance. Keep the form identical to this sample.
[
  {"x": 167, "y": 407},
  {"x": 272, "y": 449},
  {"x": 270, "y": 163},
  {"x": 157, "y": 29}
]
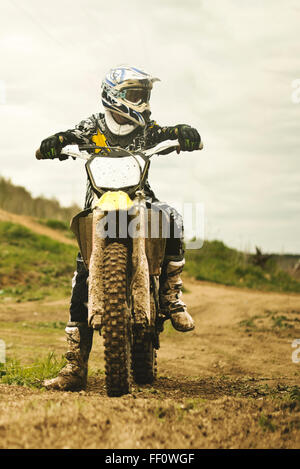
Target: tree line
[{"x": 17, "y": 199}]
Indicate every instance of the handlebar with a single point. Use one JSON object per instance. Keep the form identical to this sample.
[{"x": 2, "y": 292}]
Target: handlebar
[
  {"x": 81, "y": 151},
  {"x": 70, "y": 150}
]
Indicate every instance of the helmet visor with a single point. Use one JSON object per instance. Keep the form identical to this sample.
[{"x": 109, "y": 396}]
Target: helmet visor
[{"x": 136, "y": 95}]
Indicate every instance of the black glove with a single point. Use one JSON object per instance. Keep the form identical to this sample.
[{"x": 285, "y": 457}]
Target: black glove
[
  {"x": 51, "y": 147},
  {"x": 188, "y": 137}
]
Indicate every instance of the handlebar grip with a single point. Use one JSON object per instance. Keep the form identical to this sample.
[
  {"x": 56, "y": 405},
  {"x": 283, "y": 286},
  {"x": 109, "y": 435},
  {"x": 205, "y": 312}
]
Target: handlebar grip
[
  {"x": 38, "y": 155},
  {"x": 178, "y": 149}
]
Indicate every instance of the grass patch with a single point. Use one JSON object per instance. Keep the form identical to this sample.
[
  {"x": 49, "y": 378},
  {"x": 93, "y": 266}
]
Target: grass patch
[
  {"x": 14, "y": 373},
  {"x": 272, "y": 321},
  {"x": 32, "y": 266},
  {"x": 281, "y": 322},
  {"x": 266, "y": 424},
  {"x": 45, "y": 325},
  {"x": 54, "y": 224},
  {"x": 294, "y": 395},
  {"x": 62, "y": 226},
  {"x": 248, "y": 323},
  {"x": 215, "y": 262}
]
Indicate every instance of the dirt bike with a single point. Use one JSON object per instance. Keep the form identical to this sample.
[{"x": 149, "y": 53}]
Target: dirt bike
[{"x": 124, "y": 262}]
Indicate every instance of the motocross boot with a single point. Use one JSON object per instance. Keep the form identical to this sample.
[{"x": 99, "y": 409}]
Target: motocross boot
[
  {"x": 73, "y": 377},
  {"x": 170, "y": 293}
]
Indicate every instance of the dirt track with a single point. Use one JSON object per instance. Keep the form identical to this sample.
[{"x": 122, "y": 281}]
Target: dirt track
[
  {"x": 231, "y": 383},
  {"x": 228, "y": 384}
]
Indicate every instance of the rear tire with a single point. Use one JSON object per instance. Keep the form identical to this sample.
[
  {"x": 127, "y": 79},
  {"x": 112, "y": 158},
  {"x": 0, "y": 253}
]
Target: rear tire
[
  {"x": 144, "y": 364},
  {"x": 116, "y": 321}
]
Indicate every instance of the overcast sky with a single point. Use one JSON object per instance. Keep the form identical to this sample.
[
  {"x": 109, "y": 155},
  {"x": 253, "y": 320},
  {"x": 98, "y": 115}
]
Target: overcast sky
[{"x": 227, "y": 67}]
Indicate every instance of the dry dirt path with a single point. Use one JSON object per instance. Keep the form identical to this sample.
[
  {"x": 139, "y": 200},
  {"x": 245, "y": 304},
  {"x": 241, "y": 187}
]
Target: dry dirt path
[
  {"x": 228, "y": 384},
  {"x": 231, "y": 383}
]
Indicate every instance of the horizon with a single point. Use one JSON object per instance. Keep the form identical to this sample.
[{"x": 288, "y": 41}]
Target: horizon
[
  {"x": 231, "y": 71},
  {"x": 245, "y": 251}
]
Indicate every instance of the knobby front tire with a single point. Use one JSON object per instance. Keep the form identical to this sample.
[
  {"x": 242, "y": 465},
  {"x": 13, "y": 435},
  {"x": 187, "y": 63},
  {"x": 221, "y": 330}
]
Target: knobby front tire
[{"x": 116, "y": 321}]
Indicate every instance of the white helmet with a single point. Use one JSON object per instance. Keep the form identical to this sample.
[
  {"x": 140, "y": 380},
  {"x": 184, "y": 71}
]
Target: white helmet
[{"x": 126, "y": 90}]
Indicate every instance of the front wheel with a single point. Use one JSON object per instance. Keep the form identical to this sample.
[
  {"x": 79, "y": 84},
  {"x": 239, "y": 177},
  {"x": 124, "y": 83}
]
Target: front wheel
[{"x": 116, "y": 321}]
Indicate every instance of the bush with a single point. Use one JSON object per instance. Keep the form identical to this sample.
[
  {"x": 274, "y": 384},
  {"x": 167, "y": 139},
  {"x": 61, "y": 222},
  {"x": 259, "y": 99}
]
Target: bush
[{"x": 215, "y": 262}]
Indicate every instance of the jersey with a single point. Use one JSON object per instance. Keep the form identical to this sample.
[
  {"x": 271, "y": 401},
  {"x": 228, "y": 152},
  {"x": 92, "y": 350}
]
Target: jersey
[{"x": 94, "y": 130}]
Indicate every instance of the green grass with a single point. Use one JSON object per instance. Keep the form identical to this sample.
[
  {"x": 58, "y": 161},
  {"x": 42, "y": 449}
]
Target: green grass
[
  {"x": 45, "y": 325},
  {"x": 295, "y": 395},
  {"x": 266, "y": 424},
  {"x": 281, "y": 322},
  {"x": 215, "y": 262},
  {"x": 13, "y": 373},
  {"x": 62, "y": 226},
  {"x": 33, "y": 266},
  {"x": 54, "y": 224},
  {"x": 274, "y": 322}
]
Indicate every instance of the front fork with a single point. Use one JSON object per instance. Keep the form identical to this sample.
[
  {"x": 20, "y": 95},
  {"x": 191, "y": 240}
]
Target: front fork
[{"x": 139, "y": 276}]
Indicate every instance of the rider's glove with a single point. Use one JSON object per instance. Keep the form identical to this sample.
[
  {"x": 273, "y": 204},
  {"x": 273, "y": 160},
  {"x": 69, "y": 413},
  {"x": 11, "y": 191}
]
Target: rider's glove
[
  {"x": 52, "y": 146},
  {"x": 188, "y": 137}
]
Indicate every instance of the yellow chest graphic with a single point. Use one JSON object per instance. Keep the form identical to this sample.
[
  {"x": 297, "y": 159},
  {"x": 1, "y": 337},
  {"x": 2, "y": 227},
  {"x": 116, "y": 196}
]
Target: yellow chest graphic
[{"x": 100, "y": 140}]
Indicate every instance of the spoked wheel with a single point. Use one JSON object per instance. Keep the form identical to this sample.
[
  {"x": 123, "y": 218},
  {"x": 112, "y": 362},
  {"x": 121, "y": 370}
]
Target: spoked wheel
[
  {"x": 116, "y": 321},
  {"x": 144, "y": 364}
]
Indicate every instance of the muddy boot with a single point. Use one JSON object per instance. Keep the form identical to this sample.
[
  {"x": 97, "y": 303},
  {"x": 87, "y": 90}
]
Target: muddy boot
[
  {"x": 73, "y": 377},
  {"x": 170, "y": 293}
]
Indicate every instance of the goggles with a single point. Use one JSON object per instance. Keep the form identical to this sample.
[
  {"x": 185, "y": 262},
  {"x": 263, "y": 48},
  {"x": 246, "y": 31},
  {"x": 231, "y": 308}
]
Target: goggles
[{"x": 135, "y": 95}]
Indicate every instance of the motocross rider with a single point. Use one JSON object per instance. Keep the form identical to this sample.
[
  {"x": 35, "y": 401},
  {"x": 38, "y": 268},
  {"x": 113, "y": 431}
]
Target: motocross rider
[{"x": 125, "y": 123}]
